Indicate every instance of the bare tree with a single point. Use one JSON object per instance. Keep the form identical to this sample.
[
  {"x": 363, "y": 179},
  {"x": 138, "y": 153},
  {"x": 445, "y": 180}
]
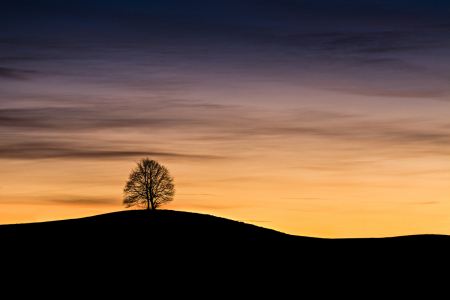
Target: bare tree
[{"x": 149, "y": 185}]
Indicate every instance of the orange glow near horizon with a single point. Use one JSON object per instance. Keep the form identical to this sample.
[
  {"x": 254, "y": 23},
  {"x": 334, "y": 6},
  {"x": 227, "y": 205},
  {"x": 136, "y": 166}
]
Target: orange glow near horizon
[
  {"x": 302, "y": 171},
  {"x": 310, "y": 187}
]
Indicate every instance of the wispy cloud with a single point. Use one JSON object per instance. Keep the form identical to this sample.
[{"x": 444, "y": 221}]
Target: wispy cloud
[
  {"x": 74, "y": 200},
  {"x": 81, "y": 117},
  {"x": 63, "y": 133},
  {"x": 15, "y": 74},
  {"x": 410, "y": 203},
  {"x": 197, "y": 195},
  {"x": 42, "y": 150}
]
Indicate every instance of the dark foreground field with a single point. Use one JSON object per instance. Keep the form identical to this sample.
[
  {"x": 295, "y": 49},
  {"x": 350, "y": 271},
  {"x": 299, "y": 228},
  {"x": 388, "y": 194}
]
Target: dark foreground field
[{"x": 178, "y": 250}]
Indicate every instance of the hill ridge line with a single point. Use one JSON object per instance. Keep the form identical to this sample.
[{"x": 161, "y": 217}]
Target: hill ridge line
[{"x": 216, "y": 218}]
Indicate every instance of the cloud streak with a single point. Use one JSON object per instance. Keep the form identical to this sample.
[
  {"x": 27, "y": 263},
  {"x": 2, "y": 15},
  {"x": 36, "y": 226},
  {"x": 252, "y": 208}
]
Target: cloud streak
[
  {"x": 62, "y": 132},
  {"x": 43, "y": 150},
  {"x": 15, "y": 74},
  {"x": 73, "y": 200}
]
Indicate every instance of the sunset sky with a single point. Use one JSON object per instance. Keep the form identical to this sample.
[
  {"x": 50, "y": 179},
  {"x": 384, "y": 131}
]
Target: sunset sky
[{"x": 321, "y": 118}]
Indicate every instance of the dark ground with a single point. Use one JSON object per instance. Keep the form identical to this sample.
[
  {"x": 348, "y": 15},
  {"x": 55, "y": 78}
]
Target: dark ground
[{"x": 180, "y": 253}]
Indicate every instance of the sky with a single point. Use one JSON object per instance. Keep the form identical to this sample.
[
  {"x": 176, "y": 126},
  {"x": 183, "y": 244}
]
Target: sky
[{"x": 320, "y": 118}]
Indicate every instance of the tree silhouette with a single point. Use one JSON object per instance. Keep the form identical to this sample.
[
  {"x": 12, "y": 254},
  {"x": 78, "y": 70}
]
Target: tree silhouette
[{"x": 149, "y": 185}]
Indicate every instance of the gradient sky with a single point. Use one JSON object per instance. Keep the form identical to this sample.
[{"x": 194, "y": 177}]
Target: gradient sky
[{"x": 321, "y": 118}]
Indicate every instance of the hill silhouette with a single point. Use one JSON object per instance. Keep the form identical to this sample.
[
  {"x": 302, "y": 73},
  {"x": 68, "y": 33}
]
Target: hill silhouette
[{"x": 195, "y": 249}]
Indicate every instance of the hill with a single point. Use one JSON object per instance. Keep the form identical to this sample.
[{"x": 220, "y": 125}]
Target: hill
[{"x": 201, "y": 249}]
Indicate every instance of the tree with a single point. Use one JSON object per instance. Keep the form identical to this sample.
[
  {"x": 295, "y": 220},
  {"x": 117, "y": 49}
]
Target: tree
[{"x": 149, "y": 185}]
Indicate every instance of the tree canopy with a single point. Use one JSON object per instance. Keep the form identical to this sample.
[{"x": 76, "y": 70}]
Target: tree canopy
[{"x": 149, "y": 185}]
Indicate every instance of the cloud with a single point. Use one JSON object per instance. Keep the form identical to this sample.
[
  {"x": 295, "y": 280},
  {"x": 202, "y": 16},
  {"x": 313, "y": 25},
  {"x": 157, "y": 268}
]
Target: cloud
[
  {"x": 15, "y": 74},
  {"x": 197, "y": 195},
  {"x": 73, "y": 200},
  {"x": 362, "y": 42},
  {"x": 386, "y": 136},
  {"x": 215, "y": 130},
  {"x": 43, "y": 150},
  {"x": 149, "y": 114},
  {"x": 418, "y": 93},
  {"x": 215, "y": 206},
  {"x": 410, "y": 203},
  {"x": 349, "y": 126}
]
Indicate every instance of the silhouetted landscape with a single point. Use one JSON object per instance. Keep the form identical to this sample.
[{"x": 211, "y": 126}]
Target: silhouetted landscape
[
  {"x": 128, "y": 253},
  {"x": 182, "y": 241}
]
